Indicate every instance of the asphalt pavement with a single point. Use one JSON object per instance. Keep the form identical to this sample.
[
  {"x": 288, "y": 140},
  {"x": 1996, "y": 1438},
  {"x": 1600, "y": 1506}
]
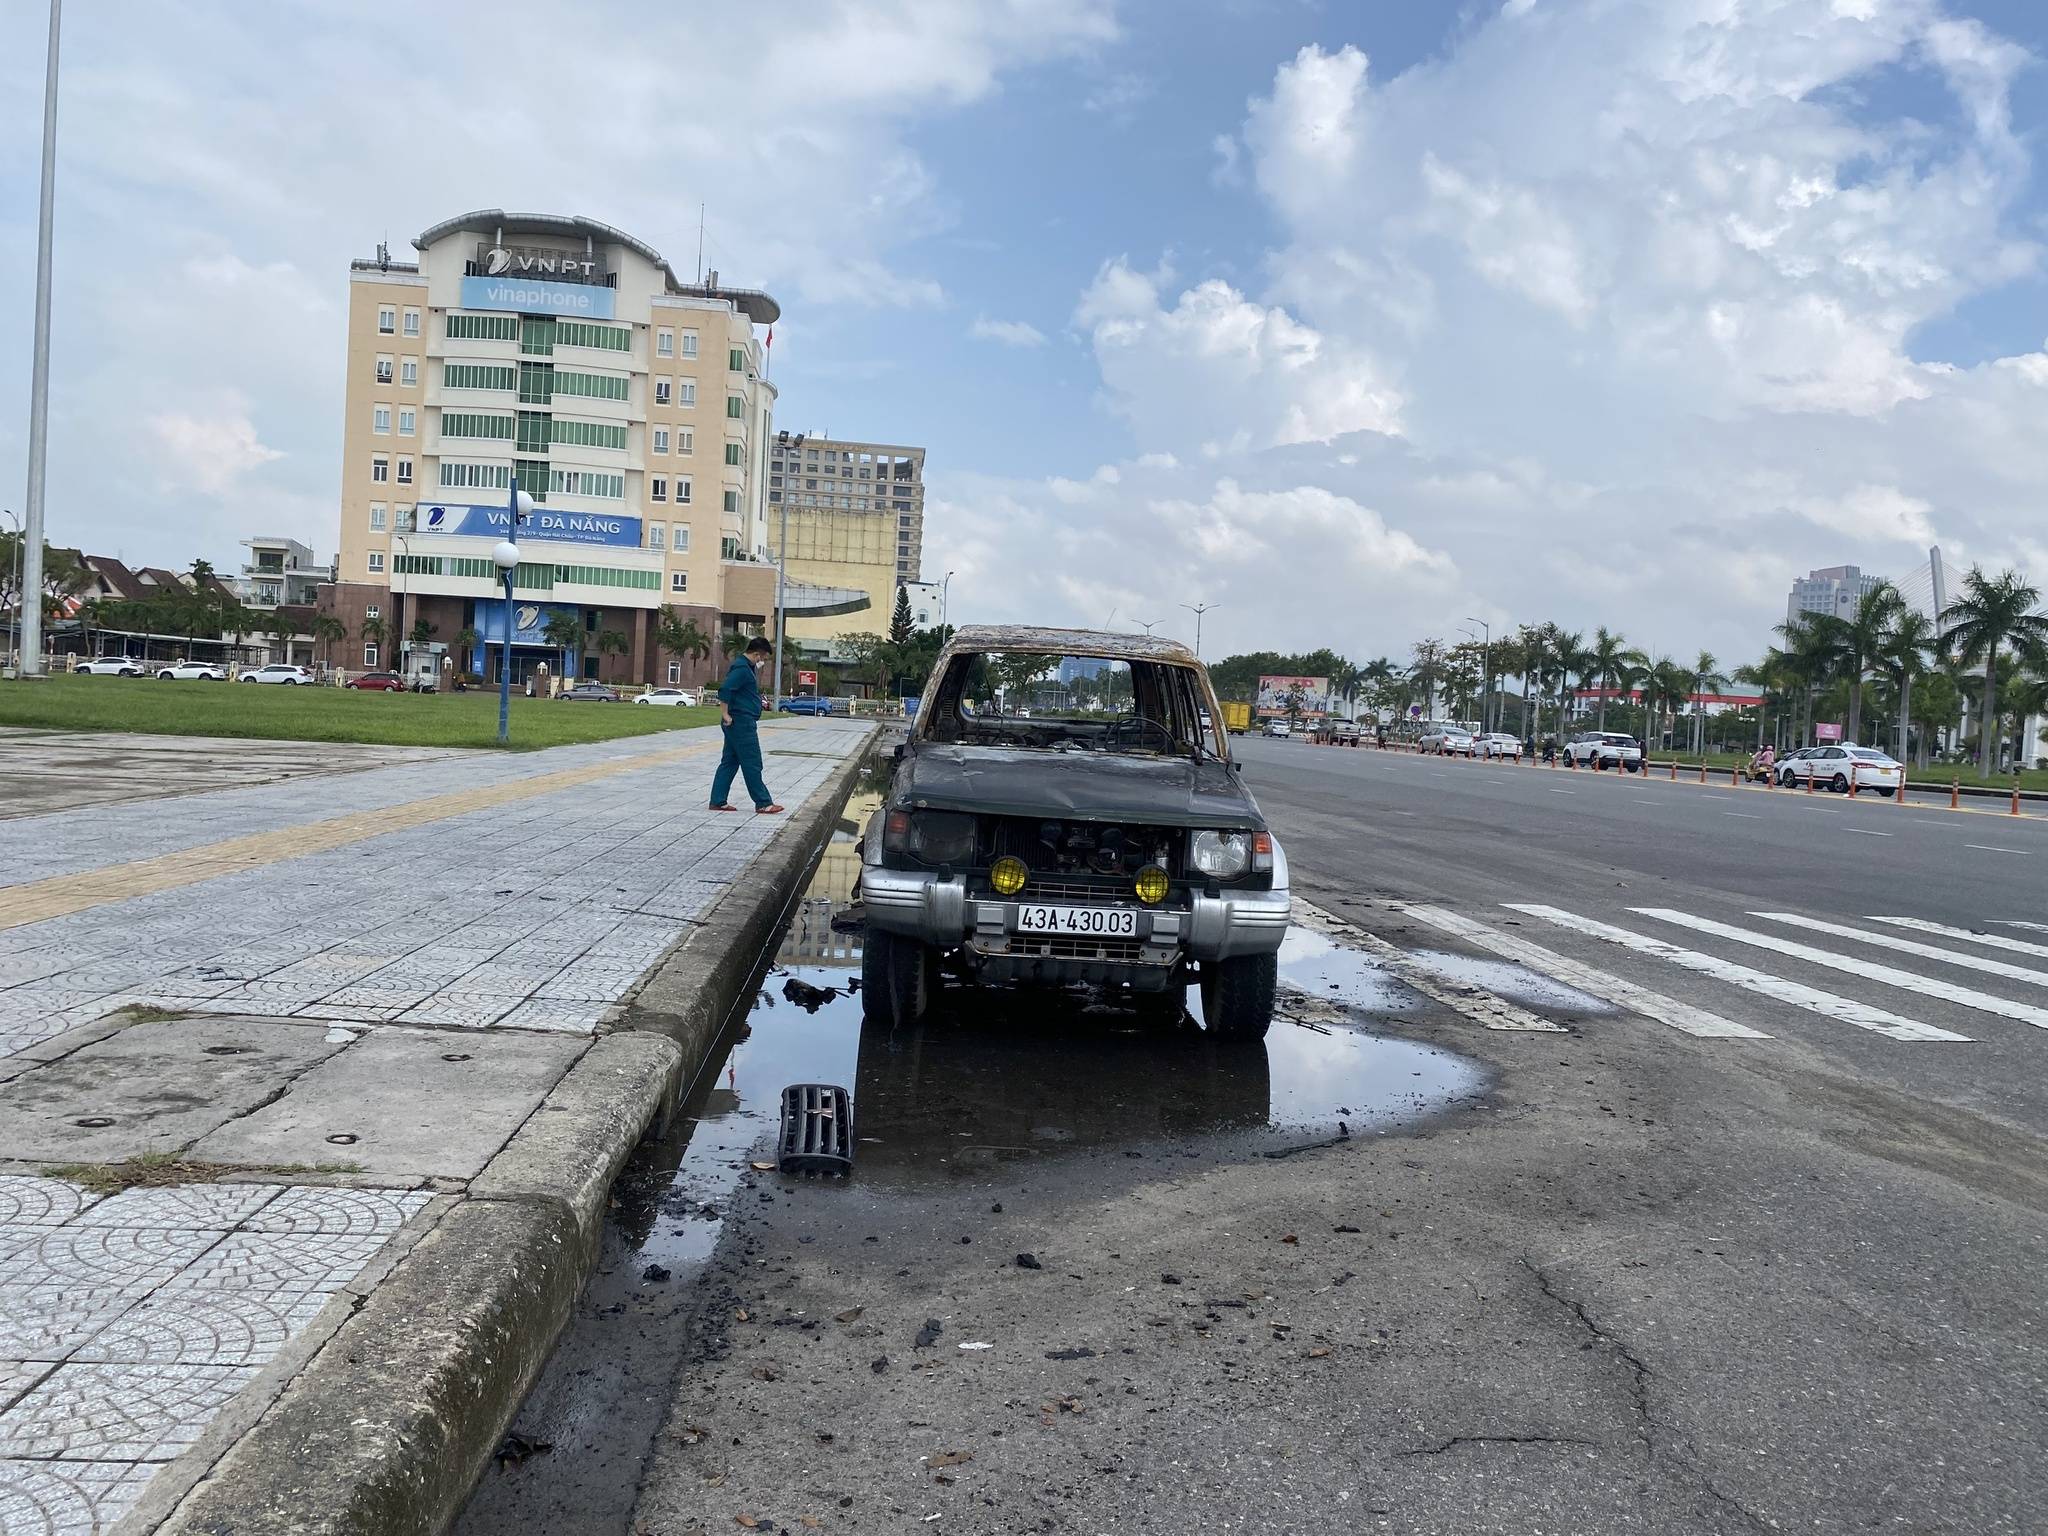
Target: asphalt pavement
[{"x": 1592, "y": 1193}]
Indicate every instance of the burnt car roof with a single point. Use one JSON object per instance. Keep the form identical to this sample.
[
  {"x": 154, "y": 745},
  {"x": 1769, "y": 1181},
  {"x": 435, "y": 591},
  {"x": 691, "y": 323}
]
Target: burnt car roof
[{"x": 1069, "y": 642}]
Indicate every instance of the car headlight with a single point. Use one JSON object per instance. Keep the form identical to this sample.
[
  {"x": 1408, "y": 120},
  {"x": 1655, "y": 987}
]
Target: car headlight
[
  {"x": 1223, "y": 855},
  {"x": 935, "y": 837}
]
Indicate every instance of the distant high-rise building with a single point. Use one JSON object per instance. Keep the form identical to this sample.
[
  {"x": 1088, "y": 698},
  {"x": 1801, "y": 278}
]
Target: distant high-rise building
[
  {"x": 855, "y": 516},
  {"x": 1834, "y": 590}
]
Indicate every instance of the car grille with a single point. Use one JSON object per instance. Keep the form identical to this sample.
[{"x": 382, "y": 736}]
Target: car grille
[
  {"x": 1076, "y": 947},
  {"x": 1085, "y": 893}
]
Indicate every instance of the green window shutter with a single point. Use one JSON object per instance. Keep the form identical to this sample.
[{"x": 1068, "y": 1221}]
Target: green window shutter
[
  {"x": 735, "y": 407},
  {"x": 732, "y": 453}
]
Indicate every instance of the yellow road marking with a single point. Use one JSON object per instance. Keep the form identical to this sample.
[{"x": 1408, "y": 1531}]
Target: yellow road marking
[{"x": 60, "y": 895}]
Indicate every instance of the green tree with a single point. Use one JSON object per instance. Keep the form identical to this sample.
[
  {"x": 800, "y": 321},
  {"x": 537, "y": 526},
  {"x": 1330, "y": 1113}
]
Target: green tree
[
  {"x": 613, "y": 642},
  {"x": 280, "y": 629},
  {"x": 1903, "y": 655},
  {"x": 466, "y": 641},
  {"x": 1858, "y": 641},
  {"x": 375, "y": 632},
  {"x": 326, "y": 630},
  {"x": 1707, "y": 677},
  {"x": 1610, "y": 655},
  {"x": 900, "y": 624},
  {"x": 1994, "y": 612},
  {"x": 564, "y": 631},
  {"x": 1426, "y": 672},
  {"x": 1810, "y": 656}
]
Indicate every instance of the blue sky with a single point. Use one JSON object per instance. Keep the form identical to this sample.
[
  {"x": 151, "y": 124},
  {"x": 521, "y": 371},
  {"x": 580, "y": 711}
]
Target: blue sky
[{"x": 1354, "y": 318}]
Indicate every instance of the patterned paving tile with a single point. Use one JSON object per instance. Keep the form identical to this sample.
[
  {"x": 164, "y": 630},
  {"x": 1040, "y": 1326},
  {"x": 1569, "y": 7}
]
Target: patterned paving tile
[
  {"x": 278, "y": 1262},
  {"x": 118, "y": 1412},
  {"x": 204, "y": 1328},
  {"x": 565, "y": 1016},
  {"x": 40, "y": 1202},
  {"x": 16, "y": 1377},
  {"x": 187, "y": 1208},
  {"x": 102, "y": 1258},
  {"x": 49, "y": 1322},
  {"x": 78, "y": 1498},
  {"x": 347, "y": 1212}
]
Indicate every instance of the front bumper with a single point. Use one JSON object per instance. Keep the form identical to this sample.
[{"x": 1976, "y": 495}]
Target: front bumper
[{"x": 922, "y": 905}]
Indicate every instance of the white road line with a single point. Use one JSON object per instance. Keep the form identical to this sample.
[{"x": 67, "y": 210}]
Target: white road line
[
  {"x": 1564, "y": 791},
  {"x": 1927, "y": 986},
  {"x": 1745, "y": 815},
  {"x": 1987, "y": 848},
  {"x": 1476, "y": 1004},
  {"x": 1909, "y": 947},
  {"x": 2014, "y": 922},
  {"x": 1865, "y": 832},
  {"x": 1845, "y": 1009},
  {"x": 1653, "y": 1005},
  {"x": 1994, "y": 940}
]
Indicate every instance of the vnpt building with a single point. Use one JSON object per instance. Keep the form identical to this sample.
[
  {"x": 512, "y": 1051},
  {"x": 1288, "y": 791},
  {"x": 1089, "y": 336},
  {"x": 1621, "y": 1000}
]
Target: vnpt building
[{"x": 631, "y": 406}]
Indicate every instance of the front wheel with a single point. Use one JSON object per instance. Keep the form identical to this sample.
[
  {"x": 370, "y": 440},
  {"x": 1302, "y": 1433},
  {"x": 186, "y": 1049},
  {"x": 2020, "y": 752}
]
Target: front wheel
[
  {"x": 1237, "y": 996},
  {"x": 1840, "y": 786},
  {"x": 896, "y": 977}
]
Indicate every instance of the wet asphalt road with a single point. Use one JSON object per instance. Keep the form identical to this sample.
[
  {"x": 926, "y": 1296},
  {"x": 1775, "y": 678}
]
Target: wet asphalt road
[{"x": 1619, "y": 1278}]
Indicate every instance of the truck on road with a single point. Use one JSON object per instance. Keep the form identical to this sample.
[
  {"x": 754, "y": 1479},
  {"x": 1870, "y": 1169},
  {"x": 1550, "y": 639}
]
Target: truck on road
[{"x": 1237, "y": 716}]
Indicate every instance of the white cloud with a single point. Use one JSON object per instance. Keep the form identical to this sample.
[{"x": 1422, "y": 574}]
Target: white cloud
[
  {"x": 1119, "y": 97},
  {"x": 209, "y": 450},
  {"x": 1872, "y": 512},
  {"x": 1010, "y": 333}
]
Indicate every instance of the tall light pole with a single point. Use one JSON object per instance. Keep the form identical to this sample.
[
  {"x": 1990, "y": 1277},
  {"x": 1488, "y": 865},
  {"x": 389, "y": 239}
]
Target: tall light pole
[
  {"x": 1198, "y": 609},
  {"x": 1485, "y": 672},
  {"x": 28, "y": 623},
  {"x": 506, "y": 558},
  {"x": 945, "y": 599},
  {"x": 792, "y": 442},
  {"x": 404, "y": 634},
  {"x": 15, "y": 635},
  {"x": 1148, "y": 626}
]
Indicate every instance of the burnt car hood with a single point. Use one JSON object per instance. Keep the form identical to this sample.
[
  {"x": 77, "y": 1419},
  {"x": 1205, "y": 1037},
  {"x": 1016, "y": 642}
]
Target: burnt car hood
[{"x": 1091, "y": 786}]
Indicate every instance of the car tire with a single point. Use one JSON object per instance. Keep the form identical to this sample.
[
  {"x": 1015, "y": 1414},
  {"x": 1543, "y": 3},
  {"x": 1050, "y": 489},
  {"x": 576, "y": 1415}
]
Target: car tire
[
  {"x": 1888, "y": 793},
  {"x": 896, "y": 976},
  {"x": 1839, "y": 785},
  {"x": 1237, "y": 996}
]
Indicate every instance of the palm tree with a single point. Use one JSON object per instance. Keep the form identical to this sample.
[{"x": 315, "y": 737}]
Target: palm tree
[
  {"x": 1569, "y": 659},
  {"x": 1808, "y": 660},
  {"x": 1426, "y": 670},
  {"x": 375, "y": 632},
  {"x": 1911, "y": 639},
  {"x": 613, "y": 642},
  {"x": 564, "y": 631},
  {"x": 326, "y": 630},
  {"x": 1609, "y": 654},
  {"x": 280, "y": 630},
  {"x": 1707, "y": 677},
  {"x": 1993, "y": 611},
  {"x": 1666, "y": 687},
  {"x": 466, "y": 641},
  {"x": 1858, "y": 641},
  {"x": 1532, "y": 643}
]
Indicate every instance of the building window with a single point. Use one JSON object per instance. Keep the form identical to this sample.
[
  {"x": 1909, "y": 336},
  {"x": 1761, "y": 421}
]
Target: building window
[
  {"x": 380, "y": 420},
  {"x": 736, "y": 360},
  {"x": 679, "y": 581},
  {"x": 657, "y": 535},
  {"x": 682, "y": 490},
  {"x": 591, "y": 386},
  {"x": 372, "y": 611},
  {"x": 735, "y": 407},
  {"x": 675, "y": 673},
  {"x": 412, "y": 322},
  {"x": 380, "y": 470},
  {"x": 732, "y": 501},
  {"x": 376, "y": 561},
  {"x": 604, "y": 338},
  {"x": 408, "y": 421},
  {"x": 483, "y": 327},
  {"x": 729, "y": 548},
  {"x": 409, "y": 373},
  {"x": 689, "y": 343},
  {"x": 661, "y": 439},
  {"x": 661, "y": 391},
  {"x": 664, "y": 343},
  {"x": 370, "y": 655},
  {"x": 407, "y": 522},
  {"x": 471, "y": 424},
  {"x": 687, "y": 393},
  {"x": 376, "y": 517},
  {"x": 680, "y": 544},
  {"x": 775, "y": 496},
  {"x": 477, "y": 376},
  {"x": 732, "y": 453},
  {"x": 384, "y": 369},
  {"x": 404, "y": 470},
  {"x": 460, "y": 476},
  {"x": 686, "y": 439},
  {"x": 657, "y": 488},
  {"x": 588, "y": 434},
  {"x": 587, "y": 482},
  {"x": 387, "y": 320}
]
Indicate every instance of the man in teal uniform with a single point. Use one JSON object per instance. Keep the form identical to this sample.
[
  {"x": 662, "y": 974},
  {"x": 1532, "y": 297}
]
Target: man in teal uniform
[{"x": 739, "y": 711}]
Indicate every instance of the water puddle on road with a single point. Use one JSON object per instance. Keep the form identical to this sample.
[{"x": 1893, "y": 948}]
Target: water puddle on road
[{"x": 1516, "y": 983}]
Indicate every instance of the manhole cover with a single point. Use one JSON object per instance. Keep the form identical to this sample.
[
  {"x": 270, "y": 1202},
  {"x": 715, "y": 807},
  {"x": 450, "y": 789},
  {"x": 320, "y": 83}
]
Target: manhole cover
[
  {"x": 94, "y": 1122},
  {"x": 342, "y": 1139}
]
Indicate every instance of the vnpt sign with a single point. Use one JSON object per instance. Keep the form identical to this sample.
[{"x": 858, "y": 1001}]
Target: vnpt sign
[
  {"x": 530, "y": 261},
  {"x": 536, "y": 296},
  {"x": 549, "y": 524}
]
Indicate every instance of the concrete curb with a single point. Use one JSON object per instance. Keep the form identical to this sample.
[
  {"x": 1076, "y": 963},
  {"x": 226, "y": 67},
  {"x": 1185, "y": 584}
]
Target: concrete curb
[{"x": 386, "y": 1430}]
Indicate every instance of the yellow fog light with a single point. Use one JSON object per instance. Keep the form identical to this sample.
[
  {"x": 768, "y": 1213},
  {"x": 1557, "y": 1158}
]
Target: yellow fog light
[
  {"x": 1008, "y": 875},
  {"x": 1151, "y": 885}
]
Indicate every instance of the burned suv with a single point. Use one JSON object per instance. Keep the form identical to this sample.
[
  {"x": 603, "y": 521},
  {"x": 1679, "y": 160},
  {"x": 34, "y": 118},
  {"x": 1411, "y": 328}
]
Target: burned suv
[{"x": 1066, "y": 810}]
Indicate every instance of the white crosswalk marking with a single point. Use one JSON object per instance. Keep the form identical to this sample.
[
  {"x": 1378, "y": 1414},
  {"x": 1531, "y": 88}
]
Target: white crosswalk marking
[
  {"x": 1995, "y": 940},
  {"x": 1909, "y": 947},
  {"x": 1927, "y": 986},
  {"x": 2014, "y": 922},
  {"x": 1845, "y": 1009},
  {"x": 1654, "y": 1005}
]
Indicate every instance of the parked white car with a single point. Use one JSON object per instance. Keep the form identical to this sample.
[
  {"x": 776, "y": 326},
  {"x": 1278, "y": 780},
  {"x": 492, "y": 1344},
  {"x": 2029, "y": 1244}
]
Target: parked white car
[
  {"x": 192, "y": 671},
  {"x": 110, "y": 666},
  {"x": 279, "y": 672},
  {"x": 1500, "y": 744},
  {"x": 668, "y": 696},
  {"x": 1604, "y": 749},
  {"x": 1279, "y": 728},
  {"x": 1833, "y": 768}
]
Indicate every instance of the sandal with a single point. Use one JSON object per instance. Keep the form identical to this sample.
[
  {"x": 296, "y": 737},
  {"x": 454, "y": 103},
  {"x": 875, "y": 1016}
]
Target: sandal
[
  {"x": 724, "y": 807},
  {"x": 767, "y": 810}
]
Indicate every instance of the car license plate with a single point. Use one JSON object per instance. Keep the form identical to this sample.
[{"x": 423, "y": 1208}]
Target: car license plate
[{"x": 1104, "y": 922}]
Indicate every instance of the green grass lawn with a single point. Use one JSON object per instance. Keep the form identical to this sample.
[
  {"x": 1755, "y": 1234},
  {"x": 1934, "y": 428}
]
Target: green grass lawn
[{"x": 149, "y": 707}]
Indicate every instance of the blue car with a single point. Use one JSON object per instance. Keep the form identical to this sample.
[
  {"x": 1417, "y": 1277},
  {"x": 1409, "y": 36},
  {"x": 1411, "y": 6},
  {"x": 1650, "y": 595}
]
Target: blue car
[{"x": 805, "y": 704}]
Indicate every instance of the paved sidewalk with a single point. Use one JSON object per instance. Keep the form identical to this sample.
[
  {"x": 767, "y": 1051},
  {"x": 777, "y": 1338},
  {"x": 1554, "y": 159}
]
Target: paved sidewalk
[{"x": 382, "y": 976}]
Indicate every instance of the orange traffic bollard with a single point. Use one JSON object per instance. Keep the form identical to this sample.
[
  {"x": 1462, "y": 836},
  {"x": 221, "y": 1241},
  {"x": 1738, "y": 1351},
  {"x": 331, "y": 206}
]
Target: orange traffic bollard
[
  {"x": 1955, "y": 789},
  {"x": 1703, "y": 770},
  {"x": 1734, "y": 776},
  {"x": 2015, "y": 794},
  {"x": 1810, "y": 777},
  {"x": 1852, "y": 781}
]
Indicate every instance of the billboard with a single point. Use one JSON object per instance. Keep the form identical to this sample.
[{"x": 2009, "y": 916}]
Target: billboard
[
  {"x": 1288, "y": 695},
  {"x": 557, "y": 524},
  {"x": 1823, "y": 731},
  {"x": 537, "y": 296}
]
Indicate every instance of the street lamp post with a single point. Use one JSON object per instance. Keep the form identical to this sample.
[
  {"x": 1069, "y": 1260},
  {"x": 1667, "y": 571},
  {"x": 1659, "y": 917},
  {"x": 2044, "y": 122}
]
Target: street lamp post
[
  {"x": 1485, "y": 672},
  {"x": 1198, "y": 609},
  {"x": 1148, "y": 625},
  {"x": 945, "y": 599},
  {"x": 404, "y": 634},
  {"x": 506, "y": 558},
  {"x": 28, "y": 620},
  {"x": 19, "y": 540},
  {"x": 791, "y": 442}
]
